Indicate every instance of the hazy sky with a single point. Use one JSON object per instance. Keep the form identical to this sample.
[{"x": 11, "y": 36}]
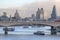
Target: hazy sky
[
  {"x": 18, "y": 3},
  {"x": 28, "y": 7}
]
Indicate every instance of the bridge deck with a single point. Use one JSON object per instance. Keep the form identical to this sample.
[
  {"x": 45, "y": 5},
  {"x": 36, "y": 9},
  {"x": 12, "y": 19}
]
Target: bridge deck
[{"x": 30, "y": 23}]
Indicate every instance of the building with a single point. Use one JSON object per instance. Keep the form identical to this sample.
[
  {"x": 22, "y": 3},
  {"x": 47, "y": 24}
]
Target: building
[
  {"x": 4, "y": 17},
  {"x": 53, "y": 15},
  {"x": 38, "y": 15},
  {"x": 10, "y": 19},
  {"x": 58, "y": 19},
  {"x": 16, "y": 16},
  {"x": 33, "y": 17},
  {"x": 42, "y": 14}
]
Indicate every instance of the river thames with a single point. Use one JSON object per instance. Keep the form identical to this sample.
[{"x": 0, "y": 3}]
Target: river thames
[
  {"x": 29, "y": 37},
  {"x": 22, "y": 33}
]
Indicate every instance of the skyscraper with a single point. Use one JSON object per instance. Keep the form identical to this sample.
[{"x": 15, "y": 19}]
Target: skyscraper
[
  {"x": 53, "y": 15},
  {"x": 38, "y": 14},
  {"x": 42, "y": 14}
]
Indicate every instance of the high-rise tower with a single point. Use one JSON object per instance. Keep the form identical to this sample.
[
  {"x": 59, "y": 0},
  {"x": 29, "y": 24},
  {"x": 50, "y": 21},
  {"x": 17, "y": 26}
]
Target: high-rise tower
[
  {"x": 53, "y": 15},
  {"x": 38, "y": 14},
  {"x": 42, "y": 14}
]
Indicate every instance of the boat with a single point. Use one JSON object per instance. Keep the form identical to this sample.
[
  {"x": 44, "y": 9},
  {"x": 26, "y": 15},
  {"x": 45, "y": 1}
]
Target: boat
[
  {"x": 39, "y": 33},
  {"x": 25, "y": 27},
  {"x": 10, "y": 29}
]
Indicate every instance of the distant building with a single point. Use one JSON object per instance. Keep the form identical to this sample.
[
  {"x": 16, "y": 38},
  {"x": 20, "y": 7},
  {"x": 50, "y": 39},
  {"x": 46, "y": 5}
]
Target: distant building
[
  {"x": 58, "y": 19},
  {"x": 26, "y": 19},
  {"x": 10, "y": 19},
  {"x": 38, "y": 14},
  {"x": 4, "y": 17},
  {"x": 33, "y": 17},
  {"x": 42, "y": 14},
  {"x": 53, "y": 15},
  {"x": 16, "y": 16}
]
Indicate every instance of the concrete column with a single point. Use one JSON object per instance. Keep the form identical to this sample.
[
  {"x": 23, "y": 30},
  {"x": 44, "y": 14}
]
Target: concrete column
[
  {"x": 6, "y": 31},
  {"x": 53, "y": 30}
]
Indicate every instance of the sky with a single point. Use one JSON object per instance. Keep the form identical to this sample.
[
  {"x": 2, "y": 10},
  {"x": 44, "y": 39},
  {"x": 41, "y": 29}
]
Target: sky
[
  {"x": 18, "y": 3},
  {"x": 28, "y": 7}
]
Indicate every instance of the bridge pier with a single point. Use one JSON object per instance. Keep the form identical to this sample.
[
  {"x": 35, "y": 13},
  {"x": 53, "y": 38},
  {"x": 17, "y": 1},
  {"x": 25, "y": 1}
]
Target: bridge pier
[
  {"x": 6, "y": 31},
  {"x": 53, "y": 30}
]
